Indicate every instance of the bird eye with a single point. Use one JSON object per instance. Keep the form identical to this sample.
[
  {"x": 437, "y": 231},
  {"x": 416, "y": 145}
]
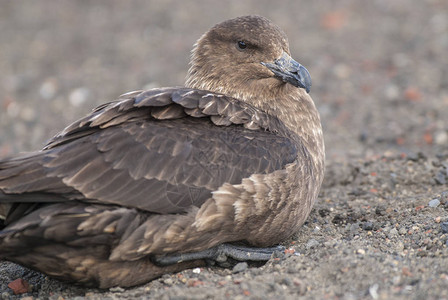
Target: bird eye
[{"x": 241, "y": 45}]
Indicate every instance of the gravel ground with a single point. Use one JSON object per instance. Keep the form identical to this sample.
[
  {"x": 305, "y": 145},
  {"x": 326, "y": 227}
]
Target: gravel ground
[{"x": 380, "y": 81}]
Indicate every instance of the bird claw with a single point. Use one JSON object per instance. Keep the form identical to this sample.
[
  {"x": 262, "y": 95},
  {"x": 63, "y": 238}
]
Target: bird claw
[{"x": 221, "y": 253}]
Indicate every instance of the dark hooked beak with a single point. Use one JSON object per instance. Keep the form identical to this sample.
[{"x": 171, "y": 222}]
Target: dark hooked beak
[{"x": 290, "y": 71}]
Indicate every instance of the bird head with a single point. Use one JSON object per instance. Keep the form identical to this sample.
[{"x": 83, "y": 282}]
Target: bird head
[{"x": 246, "y": 57}]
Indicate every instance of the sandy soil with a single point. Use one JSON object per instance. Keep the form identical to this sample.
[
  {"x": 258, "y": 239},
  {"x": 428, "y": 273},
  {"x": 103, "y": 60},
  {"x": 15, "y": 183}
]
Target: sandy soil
[{"x": 380, "y": 81}]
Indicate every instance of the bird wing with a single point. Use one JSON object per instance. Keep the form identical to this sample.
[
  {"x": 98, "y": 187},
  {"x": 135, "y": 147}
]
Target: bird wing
[{"x": 161, "y": 151}]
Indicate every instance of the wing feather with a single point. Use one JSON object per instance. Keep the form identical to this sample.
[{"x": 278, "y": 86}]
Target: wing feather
[{"x": 160, "y": 151}]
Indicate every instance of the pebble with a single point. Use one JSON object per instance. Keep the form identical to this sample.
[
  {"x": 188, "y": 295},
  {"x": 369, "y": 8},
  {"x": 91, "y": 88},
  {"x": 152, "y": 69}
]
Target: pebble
[
  {"x": 440, "y": 178},
  {"x": 392, "y": 92},
  {"x": 373, "y": 291},
  {"x": 19, "y": 286},
  {"x": 434, "y": 203},
  {"x": 13, "y": 109},
  {"x": 352, "y": 228},
  {"x": 444, "y": 227},
  {"x": 444, "y": 197},
  {"x": 48, "y": 89},
  {"x": 393, "y": 232},
  {"x": 117, "y": 289},
  {"x": 402, "y": 231},
  {"x": 240, "y": 267},
  {"x": 286, "y": 281},
  {"x": 399, "y": 246},
  {"x": 367, "y": 226},
  {"x": 441, "y": 138},
  {"x": 27, "y": 114},
  {"x": 312, "y": 243},
  {"x": 79, "y": 96},
  {"x": 412, "y": 156},
  {"x": 380, "y": 210}
]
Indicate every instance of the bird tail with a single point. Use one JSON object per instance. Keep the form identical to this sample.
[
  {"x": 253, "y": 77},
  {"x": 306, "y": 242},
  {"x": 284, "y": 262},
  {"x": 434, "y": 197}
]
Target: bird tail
[
  {"x": 21, "y": 174},
  {"x": 24, "y": 183}
]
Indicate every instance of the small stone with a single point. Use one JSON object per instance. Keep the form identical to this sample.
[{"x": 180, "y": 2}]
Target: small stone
[
  {"x": 392, "y": 92},
  {"x": 367, "y": 226},
  {"x": 13, "y": 109},
  {"x": 440, "y": 178},
  {"x": 301, "y": 287},
  {"x": 222, "y": 282},
  {"x": 240, "y": 267},
  {"x": 413, "y": 156},
  {"x": 434, "y": 203},
  {"x": 312, "y": 243},
  {"x": 353, "y": 228},
  {"x": 444, "y": 227},
  {"x": 393, "y": 232},
  {"x": 399, "y": 246},
  {"x": 324, "y": 212},
  {"x": 193, "y": 282},
  {"x": 48, "y": 89},
  {"x": 441, "y": 137},
  {"x": 286, "y": 281},
  {"x": 244, "y": 286},
  {"x": 373, "y": 291},
  {"x": 19, "y": 286},
  {"x": 422, "y": 253},
  {"x": 27, "y": 114},
  {"x": 168, "y": 281},
  {"x": 413, "y": 93},
  {"x": 5, "y": 295},
  {"x": 380, "y": 210},
  {"x": 116, "y": 289},
  {"x": 79, "y": 96},
  {"x": 444, "y": 197},
  {"x": 197, "y": 270},
  {"x": 403, "y": 231},
  {"x": 361, "y": 251}
]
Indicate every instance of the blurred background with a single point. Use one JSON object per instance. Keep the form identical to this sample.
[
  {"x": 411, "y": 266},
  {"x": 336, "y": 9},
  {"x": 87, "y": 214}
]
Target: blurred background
[{"x": 379, "y": 68}]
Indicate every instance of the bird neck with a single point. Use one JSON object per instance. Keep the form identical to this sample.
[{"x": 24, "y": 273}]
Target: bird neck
[{"x": 296, "y": 110}]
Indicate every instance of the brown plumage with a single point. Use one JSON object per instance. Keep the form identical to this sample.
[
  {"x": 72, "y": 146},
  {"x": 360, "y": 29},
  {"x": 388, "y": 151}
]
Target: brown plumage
[{"x": 235, "y": 156}]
